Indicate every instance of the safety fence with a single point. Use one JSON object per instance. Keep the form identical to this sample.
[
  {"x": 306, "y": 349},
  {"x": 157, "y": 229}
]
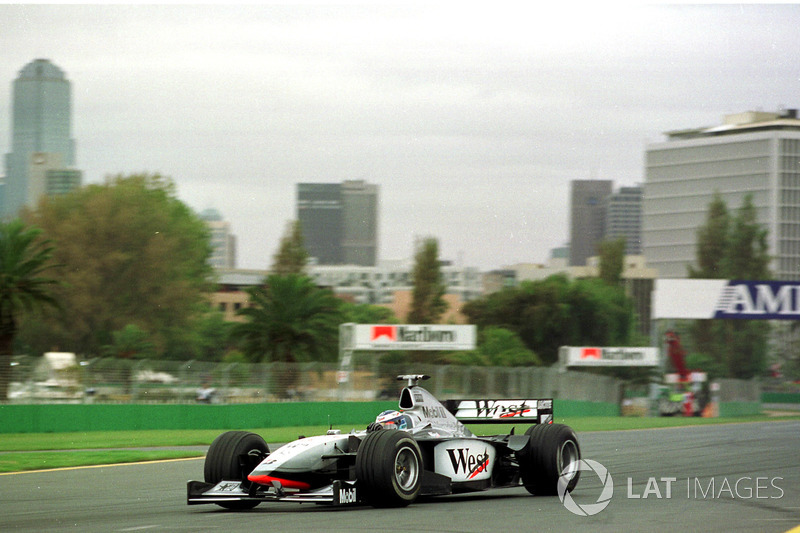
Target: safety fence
[
  {"x": 51, "y": 380},
  {"x": 39, "y": 380}
]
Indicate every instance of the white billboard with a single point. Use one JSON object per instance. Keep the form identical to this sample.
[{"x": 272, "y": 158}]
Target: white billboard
[
  {"x": 410, "y": 337},
  {"x": 722, "y": 298},
  {"x": 605, "y": 356}
]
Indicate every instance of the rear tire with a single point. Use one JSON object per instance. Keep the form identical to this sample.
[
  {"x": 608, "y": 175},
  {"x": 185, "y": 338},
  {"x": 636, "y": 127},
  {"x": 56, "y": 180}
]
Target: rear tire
[
  {"x": 232, "y": 456},
  {"x": 551, "y": 450},
  {"x": 389, "y": 468}
]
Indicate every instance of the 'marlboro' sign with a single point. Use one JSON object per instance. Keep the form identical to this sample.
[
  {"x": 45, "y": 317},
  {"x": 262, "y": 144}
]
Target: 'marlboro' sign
[
  {"x": 720, "y": 298},
  {"x": 411, "y": 337},
  {"x": 606, "y": 356}
]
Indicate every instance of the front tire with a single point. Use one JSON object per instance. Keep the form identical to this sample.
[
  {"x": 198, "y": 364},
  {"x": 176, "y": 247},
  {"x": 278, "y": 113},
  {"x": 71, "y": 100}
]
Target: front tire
[
  {"x": 389, "y": 468},
  {"x": 552, "y": 454},
  {"x": 232, "y": 456}
]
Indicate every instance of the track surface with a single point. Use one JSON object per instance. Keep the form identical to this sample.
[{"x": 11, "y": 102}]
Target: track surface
[{"x": 764, "y": 458}]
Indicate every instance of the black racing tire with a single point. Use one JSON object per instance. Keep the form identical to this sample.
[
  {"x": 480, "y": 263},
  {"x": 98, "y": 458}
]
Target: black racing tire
[
  {"x": 551, "y": 450},
  {"x": 389, "y": 468},
  {"x": 232, "y": 456}
]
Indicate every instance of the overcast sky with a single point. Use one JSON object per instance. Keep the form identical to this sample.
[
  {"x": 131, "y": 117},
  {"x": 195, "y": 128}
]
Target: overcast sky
[{"x": 472, "y": 120}]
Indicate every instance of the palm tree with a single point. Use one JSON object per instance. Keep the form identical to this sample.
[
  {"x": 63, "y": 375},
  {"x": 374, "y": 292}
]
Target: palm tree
[
  {"x": 23, "y": 259},
  {"x": 289, "y": 320}
]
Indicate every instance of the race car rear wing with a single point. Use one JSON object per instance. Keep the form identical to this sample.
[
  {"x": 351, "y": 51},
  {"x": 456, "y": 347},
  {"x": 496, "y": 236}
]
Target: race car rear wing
[{"x": 502, "y": 411}]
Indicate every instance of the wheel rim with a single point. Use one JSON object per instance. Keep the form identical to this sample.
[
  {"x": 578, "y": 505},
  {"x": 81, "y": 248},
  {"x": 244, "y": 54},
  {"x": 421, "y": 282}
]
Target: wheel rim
[
  {"x": 568, "y": 457},
  {"x": 406, "y": 469}
]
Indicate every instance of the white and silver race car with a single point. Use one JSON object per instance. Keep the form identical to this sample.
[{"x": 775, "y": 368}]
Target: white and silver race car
[{"x": 423, "y": 449}]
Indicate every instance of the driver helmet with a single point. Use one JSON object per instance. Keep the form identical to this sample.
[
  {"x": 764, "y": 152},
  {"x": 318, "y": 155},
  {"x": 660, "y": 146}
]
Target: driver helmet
[{"x": 394, "y": 420}]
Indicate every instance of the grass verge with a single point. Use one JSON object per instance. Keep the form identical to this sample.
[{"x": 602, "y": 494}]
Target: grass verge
[{"x": 21, "y": 462}]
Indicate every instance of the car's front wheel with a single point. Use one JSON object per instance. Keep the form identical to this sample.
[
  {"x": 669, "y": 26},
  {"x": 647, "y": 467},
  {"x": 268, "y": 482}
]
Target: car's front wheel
[
  {"x": 232, "y": 456},
  {"x": 389, "y": 468}
]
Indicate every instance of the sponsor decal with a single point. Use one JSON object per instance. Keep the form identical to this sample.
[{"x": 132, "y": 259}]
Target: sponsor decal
[
  {"x": 383, "y": 333},
  {"x": 720, "y": 298},
  {"x": 607, "y": 356},
  {"x": 425, "y": 334},
  {"x": 591, "y": 353},
  {"x": 404, "y": 336},
  {"x": 470, "y": 464},
  {"x": 412, "y": 334},
  {"x": 347, "y": 495},
  {"x": 497, "y": 409},
  {"x": 464, "y": 460},
  {"x": 759, "y": 299},
  {"x": 436, "y": 411}
]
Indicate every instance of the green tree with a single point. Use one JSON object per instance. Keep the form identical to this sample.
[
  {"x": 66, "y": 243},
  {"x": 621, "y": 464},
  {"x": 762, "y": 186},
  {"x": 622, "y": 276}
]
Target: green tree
[
  {"x": 498, "y": 347},
  {"x": 367, "y": 314},
  {"x": 712, "y": 241},
  {"x": 747, "y": 256},
  {"x": 427, "y": 297},
  {"x": 206, "y": 338},
  {"x": 132, "y": 254},
  {"x": 612, "y": 260},
  {"x": 130, "y": 342},
  {"x": 24, "y": 258},
  {"x": 732, "y": 247},
  {"x": 292, "y": 256},
  {"x": 558, "y": 312},
  {"x": 289, "y": 320}
]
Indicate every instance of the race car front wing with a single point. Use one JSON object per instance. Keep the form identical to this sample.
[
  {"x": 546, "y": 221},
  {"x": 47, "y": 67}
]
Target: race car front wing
[{"x": 337, "y": 493}]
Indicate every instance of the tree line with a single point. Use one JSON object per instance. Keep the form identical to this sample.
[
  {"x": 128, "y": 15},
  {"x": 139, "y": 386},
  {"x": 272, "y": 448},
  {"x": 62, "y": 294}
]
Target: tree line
[{"x": 120, "y": 269}]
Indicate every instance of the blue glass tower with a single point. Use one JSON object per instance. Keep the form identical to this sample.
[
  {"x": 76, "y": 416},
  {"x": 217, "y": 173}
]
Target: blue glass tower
[{"x": 41, "y": 122}]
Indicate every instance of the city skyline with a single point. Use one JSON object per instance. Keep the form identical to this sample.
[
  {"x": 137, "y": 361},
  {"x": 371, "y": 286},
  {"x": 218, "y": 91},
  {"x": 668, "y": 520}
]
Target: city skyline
[
  {"x": 473, "y": 121},
  {"x": 41, "y": 139}
]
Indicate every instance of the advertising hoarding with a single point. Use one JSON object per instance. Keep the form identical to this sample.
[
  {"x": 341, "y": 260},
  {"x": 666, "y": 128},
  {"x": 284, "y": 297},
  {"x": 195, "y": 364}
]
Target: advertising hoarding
[
  {"x": 720, "y": 298},
  {"x": 411, "y": 337},
  {"x": 607, "y": 356}
]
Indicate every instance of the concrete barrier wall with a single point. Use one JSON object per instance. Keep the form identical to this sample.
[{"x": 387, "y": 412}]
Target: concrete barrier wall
[{"x": 55, "y": 418}]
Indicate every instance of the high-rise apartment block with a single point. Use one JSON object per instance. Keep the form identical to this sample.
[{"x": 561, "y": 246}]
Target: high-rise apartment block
[
  {"x": 42, "y": 153},
  {"x": 223, "y": 243},
  {"x": 754, "y": 153},
  {"x": 624, "y": 218},
  {"x": 339, "y": 222},
  {"x": 587, "y": 218}
]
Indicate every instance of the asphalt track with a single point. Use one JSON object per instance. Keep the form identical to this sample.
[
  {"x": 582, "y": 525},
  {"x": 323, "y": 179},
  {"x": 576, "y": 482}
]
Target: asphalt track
[{"x": 738, "y": 477}]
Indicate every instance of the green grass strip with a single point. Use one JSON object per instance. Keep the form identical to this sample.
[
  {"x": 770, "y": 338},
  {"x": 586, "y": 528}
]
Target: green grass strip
[{"x": 21, "y": 462}]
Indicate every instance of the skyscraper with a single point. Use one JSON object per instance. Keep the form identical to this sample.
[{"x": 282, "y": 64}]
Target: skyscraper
[
  {"x": 624, "y": 218},
  {"x": 339, "y": 222},
  {"x": 587, "y": 218},
  {"x": 223, "y": 243},
  {"x": 40, "y": 130},
  {"x": 754, "y": 153}
]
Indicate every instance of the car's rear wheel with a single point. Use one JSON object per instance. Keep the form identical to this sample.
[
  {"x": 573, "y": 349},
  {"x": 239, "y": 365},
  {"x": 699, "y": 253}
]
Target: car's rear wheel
[
  {"x": 552, "y": 454},
  {"x": 389, "y": 468},
  {"x": 232, "y": 456}
]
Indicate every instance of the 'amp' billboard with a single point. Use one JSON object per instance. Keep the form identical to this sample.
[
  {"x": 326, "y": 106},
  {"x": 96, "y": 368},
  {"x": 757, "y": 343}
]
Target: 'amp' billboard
[
  {"x": 719, "y": 298},
  {"x": 411, "y": 337}
]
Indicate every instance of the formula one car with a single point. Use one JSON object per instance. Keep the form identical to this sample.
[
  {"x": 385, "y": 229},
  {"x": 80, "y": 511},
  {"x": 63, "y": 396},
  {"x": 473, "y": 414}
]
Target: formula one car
[{"x": 423, "y": 449}]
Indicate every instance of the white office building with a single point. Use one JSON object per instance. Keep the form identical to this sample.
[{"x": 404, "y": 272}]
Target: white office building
[{"x": 754, "y": 153}]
